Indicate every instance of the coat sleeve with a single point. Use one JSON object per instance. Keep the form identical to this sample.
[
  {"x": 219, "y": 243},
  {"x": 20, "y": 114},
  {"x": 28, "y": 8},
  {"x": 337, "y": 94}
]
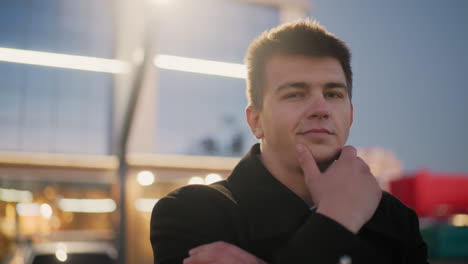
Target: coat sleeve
[
  {"x": 189, "y": 217},
  {"x": 322, "y": 240}
]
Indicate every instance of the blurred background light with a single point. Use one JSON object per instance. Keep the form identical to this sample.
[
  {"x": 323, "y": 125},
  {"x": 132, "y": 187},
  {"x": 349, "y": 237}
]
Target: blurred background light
[
  {"x": 61, "y": 255},
  {"x": 27, "y": 209},
  {"x": 46, "y": 211},
  {"x": 460, "y": 220},
  {"x": 60, "y": 60},
  {"x": 209, "y": 67},
  {"x": 13, "y": 195},
  {"x": 196, "y": 180},
  {"x": 145, "y": 178},
  {"x": 87, "y": 205},
  {"x": 145, "y": 204},
  {"x": 61, "y": 252},
  {"x": 212, "y": 178},
  {"x": 160, "y": 2}
]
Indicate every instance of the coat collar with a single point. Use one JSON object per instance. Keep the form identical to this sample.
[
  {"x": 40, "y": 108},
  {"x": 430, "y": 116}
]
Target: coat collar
[{"x": 269, "y": 206}]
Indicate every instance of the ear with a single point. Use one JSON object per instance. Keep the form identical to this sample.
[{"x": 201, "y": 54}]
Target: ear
[
  {"x": 352, "y": 115},
  {"x": 253, "y": 118}
]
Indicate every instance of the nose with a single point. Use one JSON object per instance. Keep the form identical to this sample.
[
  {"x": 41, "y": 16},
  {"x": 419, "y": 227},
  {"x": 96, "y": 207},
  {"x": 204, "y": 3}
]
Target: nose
[{"x": 318, "y": 108}]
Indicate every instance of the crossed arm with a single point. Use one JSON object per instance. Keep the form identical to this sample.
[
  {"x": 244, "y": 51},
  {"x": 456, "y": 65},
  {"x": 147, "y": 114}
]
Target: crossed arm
[{"x": 221, "y": 253}]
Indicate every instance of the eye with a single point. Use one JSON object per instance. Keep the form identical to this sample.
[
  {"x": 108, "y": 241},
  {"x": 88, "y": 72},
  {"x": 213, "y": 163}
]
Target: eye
[
  {"x": 334, "y": 95},
  {"x": 293, "y": 95}
]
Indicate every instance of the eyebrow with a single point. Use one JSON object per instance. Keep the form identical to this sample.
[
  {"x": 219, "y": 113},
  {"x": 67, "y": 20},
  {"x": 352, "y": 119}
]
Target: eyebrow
[
  {"x": 304, "y": 85},
  {"x": 301, "y": 85},
  {"x": 331, "y": 85}
]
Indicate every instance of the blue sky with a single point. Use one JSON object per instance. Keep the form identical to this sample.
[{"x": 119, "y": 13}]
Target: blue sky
[{"x": 410, "y": 66}]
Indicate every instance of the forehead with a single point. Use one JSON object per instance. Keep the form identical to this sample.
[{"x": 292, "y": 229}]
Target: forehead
[{"x": 312, "y": 70}]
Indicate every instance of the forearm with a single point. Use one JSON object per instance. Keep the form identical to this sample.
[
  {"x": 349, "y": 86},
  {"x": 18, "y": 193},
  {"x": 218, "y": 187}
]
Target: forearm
[{"x": 322, "y": 240}]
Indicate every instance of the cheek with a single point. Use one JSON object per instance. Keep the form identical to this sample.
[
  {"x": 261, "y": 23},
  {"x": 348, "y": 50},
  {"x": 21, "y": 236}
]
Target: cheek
[
  {"x": 288, "y": 119},
  {"x": 281, "y": 122},
  {"x": 344, "y": 123}
]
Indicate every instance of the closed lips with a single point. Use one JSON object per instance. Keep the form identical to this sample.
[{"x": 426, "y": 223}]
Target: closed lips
[{"x": 317, "y": 130}]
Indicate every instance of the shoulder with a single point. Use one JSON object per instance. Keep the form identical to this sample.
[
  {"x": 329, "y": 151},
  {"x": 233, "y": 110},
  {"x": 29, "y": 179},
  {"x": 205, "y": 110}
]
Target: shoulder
[
  {"x": 391, "y": 203},
  {"x": 204, "y": 194},
  {"x": 202, "y": 213},
  {"x": 406, "y": 224},
  {"x": 401, "y": 217},
  {"x": 195, "y": 201}
]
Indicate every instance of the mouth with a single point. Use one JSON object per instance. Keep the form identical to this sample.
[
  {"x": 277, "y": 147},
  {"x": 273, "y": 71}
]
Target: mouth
[{"x": 317, "y": 131}]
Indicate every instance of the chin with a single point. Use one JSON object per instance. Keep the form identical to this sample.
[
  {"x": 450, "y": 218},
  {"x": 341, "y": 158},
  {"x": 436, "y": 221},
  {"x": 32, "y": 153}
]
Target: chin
[{"x": 325, "y": 156}]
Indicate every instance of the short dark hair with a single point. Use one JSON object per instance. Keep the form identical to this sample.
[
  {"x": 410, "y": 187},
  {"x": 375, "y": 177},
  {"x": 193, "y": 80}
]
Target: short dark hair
[{"x": 303, "y": 37}]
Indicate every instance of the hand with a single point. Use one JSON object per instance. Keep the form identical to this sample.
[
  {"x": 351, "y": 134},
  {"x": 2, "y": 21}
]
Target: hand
[
  {"x": 346, "y": 192},
  {"x": 221, "y": 252}
]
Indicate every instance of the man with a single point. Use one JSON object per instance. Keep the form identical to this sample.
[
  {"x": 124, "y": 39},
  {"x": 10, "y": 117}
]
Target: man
[{"x": 300, "y": 196}]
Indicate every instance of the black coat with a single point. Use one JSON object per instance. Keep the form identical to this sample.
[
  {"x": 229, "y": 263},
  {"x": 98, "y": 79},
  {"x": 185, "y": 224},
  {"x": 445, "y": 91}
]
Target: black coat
[{"x": 254, "y": 211}]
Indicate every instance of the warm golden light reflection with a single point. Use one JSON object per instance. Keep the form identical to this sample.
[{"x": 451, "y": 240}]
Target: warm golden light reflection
[
  {"x": 60, "y": 60},
  {"x": 210, "y": 67}
]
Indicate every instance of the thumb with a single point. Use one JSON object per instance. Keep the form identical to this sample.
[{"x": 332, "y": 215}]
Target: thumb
[{"x": 307, "y": 161}]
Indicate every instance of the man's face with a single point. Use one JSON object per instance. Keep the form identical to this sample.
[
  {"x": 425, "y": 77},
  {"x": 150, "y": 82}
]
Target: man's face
[{"x": 305, "y": 100}]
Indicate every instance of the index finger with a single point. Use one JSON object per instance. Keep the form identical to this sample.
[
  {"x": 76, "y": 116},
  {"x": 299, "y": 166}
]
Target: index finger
[{"x": 307, "y": 161}]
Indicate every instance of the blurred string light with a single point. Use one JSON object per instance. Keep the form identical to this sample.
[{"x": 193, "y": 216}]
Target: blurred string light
[
  {"x": 209, "y": 179},
  {"x": 60, "y": 60},
  {"x": 145, "y": 178},
  {"x": 210, "y": 67},
  {"x": 145, "y": 204},
  {"x": 13, "y": 195},
  {"x": 87, "y": 205}
]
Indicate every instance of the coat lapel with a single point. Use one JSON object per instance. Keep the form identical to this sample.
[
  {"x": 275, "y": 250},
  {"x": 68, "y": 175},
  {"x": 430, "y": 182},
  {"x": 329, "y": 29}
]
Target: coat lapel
[{"x": 269, "y": 207}]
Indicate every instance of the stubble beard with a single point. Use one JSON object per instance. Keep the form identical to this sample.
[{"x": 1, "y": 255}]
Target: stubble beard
[{"x": 325, "y": 164}]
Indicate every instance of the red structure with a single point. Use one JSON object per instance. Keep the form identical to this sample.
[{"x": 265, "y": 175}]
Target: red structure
[{"x": 433, "y": 194}]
